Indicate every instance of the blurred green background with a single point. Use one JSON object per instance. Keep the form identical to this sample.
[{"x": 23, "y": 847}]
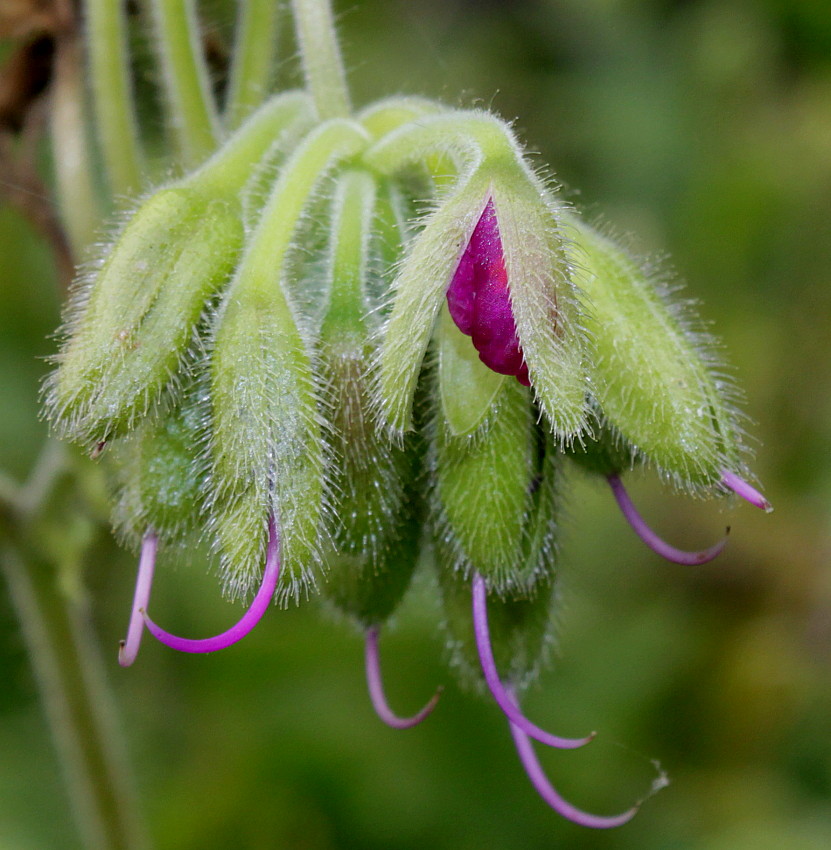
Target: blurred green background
[{"x": 703, "y": 128}]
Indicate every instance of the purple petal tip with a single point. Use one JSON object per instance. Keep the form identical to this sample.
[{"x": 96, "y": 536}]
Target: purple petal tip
[
  {"x": 376, "y": 688},
  {"x": 741, "y": 488},
  {"x": 503, "y": 697},
  {"x": 652, "y": 540}
]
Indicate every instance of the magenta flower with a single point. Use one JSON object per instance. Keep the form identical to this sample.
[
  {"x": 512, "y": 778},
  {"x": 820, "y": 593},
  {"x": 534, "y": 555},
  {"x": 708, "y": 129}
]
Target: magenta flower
[{"x": 479, "y": 299}]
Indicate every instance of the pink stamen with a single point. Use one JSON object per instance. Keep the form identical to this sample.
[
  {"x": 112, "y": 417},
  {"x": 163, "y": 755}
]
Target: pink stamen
[
  {"x": 741, "y": 488},
  {"x": 547, "y": 791},
  {"x": 655, "y": 543},
  {"x": 128, "y": 649},
  {"x": 376, "y": 688},
  {"x": 500, "y": 693},
  {"x": 248, "y": 620}
]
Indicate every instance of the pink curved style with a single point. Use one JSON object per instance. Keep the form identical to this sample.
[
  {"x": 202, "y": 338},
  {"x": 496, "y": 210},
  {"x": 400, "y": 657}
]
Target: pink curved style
[
  {"x": 498, "y": 690},
  {"x": 376, "y": 688}
]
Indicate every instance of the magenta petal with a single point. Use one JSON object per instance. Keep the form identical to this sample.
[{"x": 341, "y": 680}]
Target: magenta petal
[
  {"x": 547, "y": 791},
  {"x": 741, "y": 488},
  {"x": 376, "y": 688},
  {"x": 500, "y": 693},
  {"x": 248, "y": 620},
  {"x": 128, "y": 649},
  {"x": 655, "y": 543},
  {"x": 460, "y": 294},
  {"x": 480, "y": 303},
  {"x": 494, "y": 331}
]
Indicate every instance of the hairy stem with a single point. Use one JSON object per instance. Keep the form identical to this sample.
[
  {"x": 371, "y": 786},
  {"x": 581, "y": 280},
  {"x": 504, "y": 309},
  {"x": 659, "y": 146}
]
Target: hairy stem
[
  {"x": 191, "y": 108},
  {"x": 322, "y": 64},
  {"x": 253, "y": 59},
  {"x": 115, "y": 117}
]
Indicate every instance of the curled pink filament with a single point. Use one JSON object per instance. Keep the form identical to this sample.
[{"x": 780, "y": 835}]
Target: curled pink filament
[
  {"x": 741, "y": 488},
  {"x": 248, "y": 620},
  {"x": 498, "y": 690},
  {"x": 652, "y": 540},
  {"x": 128, "y": 649},
  {"x": 547, "y": 791},
  {"x": 376, "y": 688}
]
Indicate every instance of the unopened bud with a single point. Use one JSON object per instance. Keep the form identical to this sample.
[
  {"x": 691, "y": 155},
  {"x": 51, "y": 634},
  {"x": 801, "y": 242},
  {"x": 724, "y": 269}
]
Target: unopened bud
[{"x": 652, "y": 375}]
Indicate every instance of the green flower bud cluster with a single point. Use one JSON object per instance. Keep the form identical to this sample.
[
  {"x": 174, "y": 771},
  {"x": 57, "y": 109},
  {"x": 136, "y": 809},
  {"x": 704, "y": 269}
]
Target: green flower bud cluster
[{"x": 283, "y": 353}]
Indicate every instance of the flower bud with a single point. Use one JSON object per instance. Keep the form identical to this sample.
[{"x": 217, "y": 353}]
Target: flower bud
[
  {"x": 523, "y": 243},
  {"x": 132, "y": 321},
  {"x": 653, "y": 376},
  {"x": 372, "y": 527}
]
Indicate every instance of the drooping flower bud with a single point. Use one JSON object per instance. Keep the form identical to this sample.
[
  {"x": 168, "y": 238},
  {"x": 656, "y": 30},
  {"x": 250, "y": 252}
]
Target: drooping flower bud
[
  {"x": 131, "y": 322},
  {"x": 266, "y": 437},
  {"x": 653, "y": 374},
  {"x": 372, "y": 525},
  {"x": 525, "y": 228}
]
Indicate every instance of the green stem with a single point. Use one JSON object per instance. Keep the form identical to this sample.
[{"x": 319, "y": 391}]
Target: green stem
[
  {"x": 115, "y": 116},
  {"x": 279, "y": 119},
  {"x": 253, "y": 59},
  {"x": 67, "y": 667},
  {"x": 191, "y": 108},
  {"x": 78, "y": 201},
  {"x": 52, "y": 608},
  {"x": 322, "y": 64}
]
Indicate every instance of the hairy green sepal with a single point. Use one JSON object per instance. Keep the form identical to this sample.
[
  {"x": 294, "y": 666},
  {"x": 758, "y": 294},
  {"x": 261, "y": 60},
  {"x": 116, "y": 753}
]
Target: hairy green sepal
[
  {"x": 650, "y": 376},
  {"x": 267, "y": 446},
  {"x": 134, "y": 320},
  {"x": 489, "y": 164},
  {"x": 373, "y": 532}
]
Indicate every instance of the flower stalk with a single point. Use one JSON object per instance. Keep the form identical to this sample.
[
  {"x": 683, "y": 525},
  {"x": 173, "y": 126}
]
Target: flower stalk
[
  {"x": 321, "y": 59},
  {"x": 115, "y": 114},
  {"x": 252, "y": 59},
  {"x": 191, "y": 109}
]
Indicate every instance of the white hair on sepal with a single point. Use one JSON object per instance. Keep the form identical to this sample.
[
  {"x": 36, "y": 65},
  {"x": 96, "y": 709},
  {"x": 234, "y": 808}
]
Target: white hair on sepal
[
  {"x": 708, "y": 439},
  {"x": 511, "y": 410},
  {"x": 257, "y": 455},
  {"x": 416, "y": 297}
]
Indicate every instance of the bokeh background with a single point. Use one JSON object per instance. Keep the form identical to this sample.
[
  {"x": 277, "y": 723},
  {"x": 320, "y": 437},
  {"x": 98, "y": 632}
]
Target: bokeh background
[{"x": 703, "y": 128}]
